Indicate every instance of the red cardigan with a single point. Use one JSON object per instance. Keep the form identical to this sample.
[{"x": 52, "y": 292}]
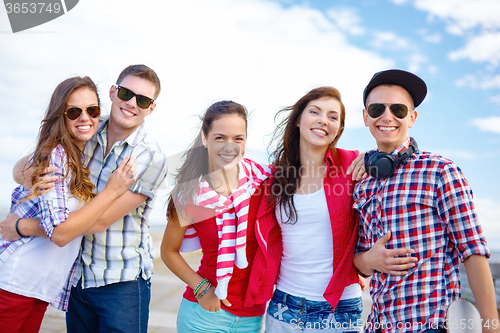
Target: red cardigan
[{"x": 344, "y": 221}]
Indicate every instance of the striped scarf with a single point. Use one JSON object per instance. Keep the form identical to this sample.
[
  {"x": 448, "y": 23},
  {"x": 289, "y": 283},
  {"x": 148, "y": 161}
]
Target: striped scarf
[{"x": 232, "y": 234}]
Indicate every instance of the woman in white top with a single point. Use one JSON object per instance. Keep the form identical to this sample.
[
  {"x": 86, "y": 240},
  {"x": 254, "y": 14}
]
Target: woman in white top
[
  {"x": 317, "y": 287},
  {"x": 36, "y": 271}
]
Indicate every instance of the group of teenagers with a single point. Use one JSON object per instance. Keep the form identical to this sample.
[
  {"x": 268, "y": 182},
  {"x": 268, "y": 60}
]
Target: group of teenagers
[{"x": 285, "y": 246}]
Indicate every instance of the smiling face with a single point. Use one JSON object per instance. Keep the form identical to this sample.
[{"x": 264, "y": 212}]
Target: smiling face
[
  {"x": 388, "y": 130},
  {"x": 225, "y": 142},
  {"x": 319, "y": 123},
  {"x": 84, "y": 127},
  {"x": 126, "y": 116}
]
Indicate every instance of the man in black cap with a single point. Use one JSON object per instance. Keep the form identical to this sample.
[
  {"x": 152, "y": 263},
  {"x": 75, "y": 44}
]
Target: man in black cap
[{"x": 417, "y": 219}]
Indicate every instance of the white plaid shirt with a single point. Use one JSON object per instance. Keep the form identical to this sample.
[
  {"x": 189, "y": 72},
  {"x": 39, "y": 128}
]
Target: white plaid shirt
[
  {"x": 51, "y": 212},
  {"x": 125, "y": 249}
]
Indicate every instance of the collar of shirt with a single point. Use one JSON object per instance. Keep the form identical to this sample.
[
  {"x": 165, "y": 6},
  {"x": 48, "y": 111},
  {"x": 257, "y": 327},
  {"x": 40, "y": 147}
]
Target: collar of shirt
[
  {"x": 132, "y": 140},
  {"x": 401, "y": 147}
]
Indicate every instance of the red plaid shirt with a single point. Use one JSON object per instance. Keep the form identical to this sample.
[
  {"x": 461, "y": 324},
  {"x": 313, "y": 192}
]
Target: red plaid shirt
[
  {"x": 344, "y": 221},
  {"x": 427, "y": 205}
]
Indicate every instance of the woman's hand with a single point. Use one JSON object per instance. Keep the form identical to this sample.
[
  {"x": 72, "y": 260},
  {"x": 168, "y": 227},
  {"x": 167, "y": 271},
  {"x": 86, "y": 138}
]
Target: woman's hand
[
  {"x": 211, "y": 302},
  {"x": 8, "y": 229},
  {"x": 123, "y": 177},
  {"x": 363, "y": 283},
  {"x": 357, "y": 168}
]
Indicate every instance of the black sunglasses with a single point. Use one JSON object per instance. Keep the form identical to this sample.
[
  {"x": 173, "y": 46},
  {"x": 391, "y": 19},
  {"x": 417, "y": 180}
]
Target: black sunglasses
[
  {"x": 375, "y": 110},
  {"x": 74, "y": 113},
  {"x": 126, "y": 95}
]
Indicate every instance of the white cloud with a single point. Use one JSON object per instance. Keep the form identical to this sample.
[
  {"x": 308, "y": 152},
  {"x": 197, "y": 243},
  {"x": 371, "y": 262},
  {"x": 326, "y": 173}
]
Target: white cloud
[
  {"x": 463, "y": 15},
  {"x": 489, "y": 124},
  {"x": 482, "y": 48},
  {"x": 477, "y": 20},
  {"x": 415, "y": 62},
  {"x": 347, "y": 20},
  {"x": 495, "y": 99},
  {"x": 430, "y": 37},
  {"x": 434, "y": 38},
  {"x": 484, "y": 82},
  {"x": 390, "y": 41}
]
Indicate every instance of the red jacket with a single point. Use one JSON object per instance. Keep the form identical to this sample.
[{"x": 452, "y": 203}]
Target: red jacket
[{"x": 344, "y": 221}]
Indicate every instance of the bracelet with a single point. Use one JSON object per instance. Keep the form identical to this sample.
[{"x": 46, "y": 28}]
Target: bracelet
[
  {"x": 195, "y": 291},
  {"x": 17, "y": 229},
  {"x": 204, "y": 291}
]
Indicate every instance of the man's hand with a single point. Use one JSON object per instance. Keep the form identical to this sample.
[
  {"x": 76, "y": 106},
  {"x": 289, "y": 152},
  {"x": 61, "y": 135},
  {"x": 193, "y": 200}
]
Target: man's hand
[
  {"x": 357, "y": 168},
  {"x": 23, "y": 176},
  {"x": 8, "y": 228},
  {"x": 383, "y": 260},
  {"x": 45, "y": 181}
]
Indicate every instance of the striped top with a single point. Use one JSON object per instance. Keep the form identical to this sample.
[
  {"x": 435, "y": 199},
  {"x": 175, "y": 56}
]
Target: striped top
[{"x": 231, "y": 215}]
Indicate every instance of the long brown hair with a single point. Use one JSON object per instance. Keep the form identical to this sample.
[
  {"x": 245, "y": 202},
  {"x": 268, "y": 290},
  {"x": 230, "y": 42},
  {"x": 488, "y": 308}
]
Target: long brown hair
[
  {"x": 196, "y": 159},
  {"x": 286, "y": 175},
  {"x": 53, "y": 132}
]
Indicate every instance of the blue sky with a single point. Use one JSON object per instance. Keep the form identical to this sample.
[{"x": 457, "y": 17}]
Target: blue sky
[{"x": 266, "y": 54}]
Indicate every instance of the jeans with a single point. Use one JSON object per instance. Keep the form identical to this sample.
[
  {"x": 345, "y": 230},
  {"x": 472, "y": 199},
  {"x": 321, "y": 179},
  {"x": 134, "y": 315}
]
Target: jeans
[
  {"x": 116, "y": 307},
  {"x": 288, "y": 313},
  {"x": 193, "y": 318}
]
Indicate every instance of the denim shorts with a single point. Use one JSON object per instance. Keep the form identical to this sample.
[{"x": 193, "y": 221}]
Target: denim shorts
[
  {"x": 193, "y": 318},
  {"x": 288, "y": 313}
]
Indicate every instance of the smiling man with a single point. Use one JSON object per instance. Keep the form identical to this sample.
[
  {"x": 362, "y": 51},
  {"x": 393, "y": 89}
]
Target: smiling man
[
  {"x": 111, "y": 287},
  {"x": 417, "y": 219}
]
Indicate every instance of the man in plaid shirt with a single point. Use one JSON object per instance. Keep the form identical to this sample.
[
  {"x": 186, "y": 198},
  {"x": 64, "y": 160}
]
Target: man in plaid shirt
[{"x": 417, "y": 220}]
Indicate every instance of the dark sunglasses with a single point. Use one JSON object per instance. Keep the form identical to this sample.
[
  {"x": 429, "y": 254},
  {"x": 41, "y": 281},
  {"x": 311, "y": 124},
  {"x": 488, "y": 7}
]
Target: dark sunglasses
[
  {"x": 375, "y": 110},
  {"x": 126, "y": 95},
  {"x": 74, "y": 113}
]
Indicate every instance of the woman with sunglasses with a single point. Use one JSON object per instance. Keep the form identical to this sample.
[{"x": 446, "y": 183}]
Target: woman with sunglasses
[
  {"x": 36, "y": 271},
  {"x": 213, "y": 206},
  {"x": 307, "y": 227}
]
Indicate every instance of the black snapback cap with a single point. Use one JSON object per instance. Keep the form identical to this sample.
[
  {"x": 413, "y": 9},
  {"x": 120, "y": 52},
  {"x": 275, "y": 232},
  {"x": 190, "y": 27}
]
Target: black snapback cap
[{"x": 415, "y": 86}]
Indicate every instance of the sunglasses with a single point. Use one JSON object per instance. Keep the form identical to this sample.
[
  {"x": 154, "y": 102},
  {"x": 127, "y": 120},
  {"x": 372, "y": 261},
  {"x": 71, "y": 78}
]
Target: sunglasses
[
  {"x": 375, "y": 110},
  {"x": 126, "y": 95},
  {"x": 74, "y": 113}
]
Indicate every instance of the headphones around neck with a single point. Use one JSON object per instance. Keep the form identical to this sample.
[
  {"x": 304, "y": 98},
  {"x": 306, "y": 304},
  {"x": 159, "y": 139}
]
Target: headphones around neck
[{"x": 382, "y": 165}]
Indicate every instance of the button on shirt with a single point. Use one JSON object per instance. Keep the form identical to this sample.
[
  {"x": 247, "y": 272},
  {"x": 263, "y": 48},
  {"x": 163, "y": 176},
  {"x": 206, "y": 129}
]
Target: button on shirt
[
  {"x": 427, "y": 205},
  {"x": 125, "y": 249}
]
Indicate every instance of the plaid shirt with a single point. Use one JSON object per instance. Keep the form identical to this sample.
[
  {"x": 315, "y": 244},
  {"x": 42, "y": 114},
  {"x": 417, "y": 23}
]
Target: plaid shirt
[
  {"x": 125, "y": 249},
  {"x": 427, "y": 205},
  {"x": 344, "y": 221},
  {"x": 52, "y": 210}
]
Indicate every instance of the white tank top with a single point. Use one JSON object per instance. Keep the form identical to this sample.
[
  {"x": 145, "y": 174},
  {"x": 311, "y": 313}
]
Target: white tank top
[{"x": 307, "y": 262}]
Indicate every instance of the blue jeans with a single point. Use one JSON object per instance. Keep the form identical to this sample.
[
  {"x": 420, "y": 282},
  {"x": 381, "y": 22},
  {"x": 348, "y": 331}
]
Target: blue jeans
[
  {"x": 117, "y": 307},
  {"x": 193, "y": 318},
  {"x": 288, "y": 313}
]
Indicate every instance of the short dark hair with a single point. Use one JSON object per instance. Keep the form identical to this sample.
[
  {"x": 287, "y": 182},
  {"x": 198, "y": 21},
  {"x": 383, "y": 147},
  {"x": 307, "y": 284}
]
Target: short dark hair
[{"x": 144, "y": 72}]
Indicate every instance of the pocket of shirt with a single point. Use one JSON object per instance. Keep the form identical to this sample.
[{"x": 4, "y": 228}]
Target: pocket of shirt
[{"x": 366, "y": 210}]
